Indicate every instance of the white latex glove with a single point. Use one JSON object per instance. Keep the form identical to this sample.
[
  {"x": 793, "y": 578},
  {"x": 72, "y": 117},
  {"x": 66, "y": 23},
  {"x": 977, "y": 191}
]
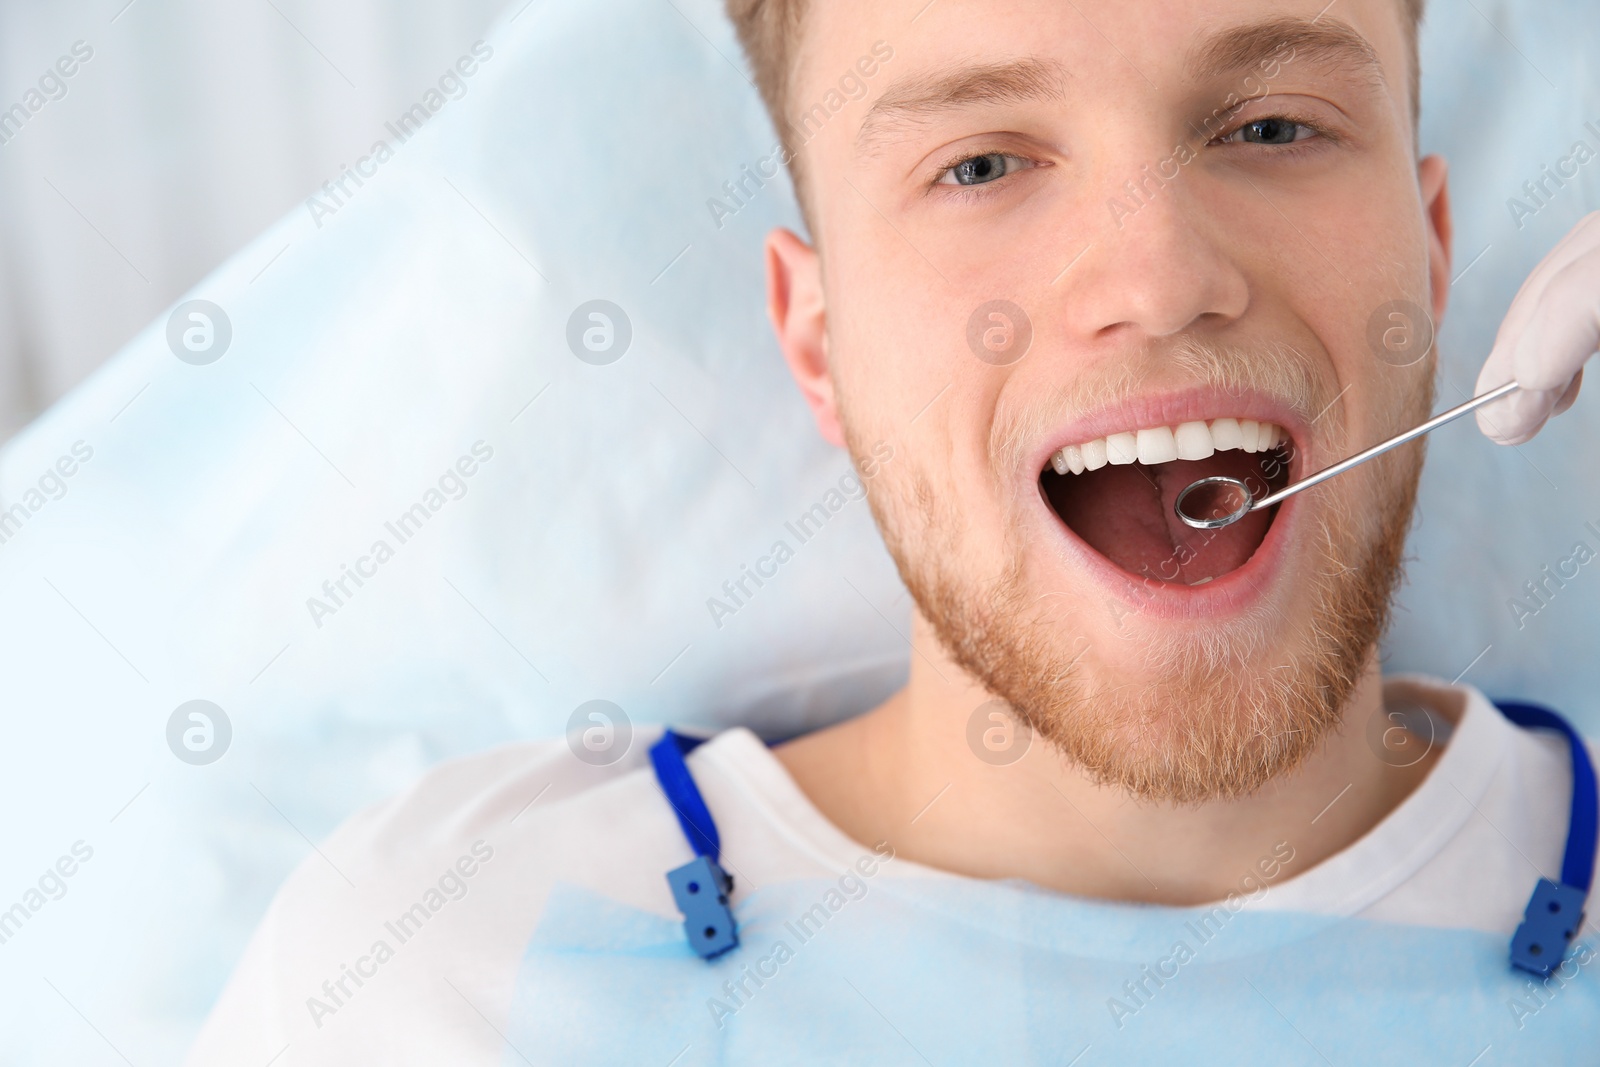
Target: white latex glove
[{"x": 1550, "y": 331}]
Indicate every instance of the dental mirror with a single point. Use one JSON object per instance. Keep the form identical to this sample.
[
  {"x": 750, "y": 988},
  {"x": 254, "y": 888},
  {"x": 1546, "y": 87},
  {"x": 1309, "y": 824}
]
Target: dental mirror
[{"x": 1218, "y": 501}]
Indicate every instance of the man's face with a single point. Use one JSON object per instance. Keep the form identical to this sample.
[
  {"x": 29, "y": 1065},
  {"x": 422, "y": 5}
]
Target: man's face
[{"x": 1192, "y": 210}]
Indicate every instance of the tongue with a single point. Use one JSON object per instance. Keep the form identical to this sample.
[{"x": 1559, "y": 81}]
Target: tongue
[{"x": 1125, "y": 512}]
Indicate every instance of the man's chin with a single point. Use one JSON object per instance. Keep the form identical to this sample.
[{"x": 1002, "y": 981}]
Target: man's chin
[
  {"x": 1193, "y": 710},
  {"x": 1190, "y": 736}
]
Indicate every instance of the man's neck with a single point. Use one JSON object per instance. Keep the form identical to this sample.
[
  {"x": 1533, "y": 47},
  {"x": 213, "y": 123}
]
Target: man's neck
[{"x": 904, "y": 773}]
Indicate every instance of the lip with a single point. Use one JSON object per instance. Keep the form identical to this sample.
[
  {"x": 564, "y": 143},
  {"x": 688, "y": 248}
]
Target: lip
[{"x": 1235, "y": 591}]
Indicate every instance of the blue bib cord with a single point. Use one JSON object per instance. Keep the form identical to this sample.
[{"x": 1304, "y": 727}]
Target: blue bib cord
[
  {"x": 1555, "y": 912},
  {"x": 700, "y": 887}
]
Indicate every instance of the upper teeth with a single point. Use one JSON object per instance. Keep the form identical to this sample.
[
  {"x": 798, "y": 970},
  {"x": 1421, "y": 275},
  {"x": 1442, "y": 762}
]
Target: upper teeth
[{"x": 1163, "y": 444}]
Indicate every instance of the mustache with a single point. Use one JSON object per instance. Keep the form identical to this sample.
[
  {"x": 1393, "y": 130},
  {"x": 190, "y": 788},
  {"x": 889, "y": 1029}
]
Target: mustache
[{"x": 1272, "y": 368}]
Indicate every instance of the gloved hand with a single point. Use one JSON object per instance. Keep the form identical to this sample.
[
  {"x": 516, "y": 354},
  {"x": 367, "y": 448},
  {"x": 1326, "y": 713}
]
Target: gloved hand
[{"x": 1551, "y": 329}]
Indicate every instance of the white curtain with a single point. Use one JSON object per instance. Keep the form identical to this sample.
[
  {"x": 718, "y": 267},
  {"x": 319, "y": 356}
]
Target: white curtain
[{"x": 190, "y": 126}]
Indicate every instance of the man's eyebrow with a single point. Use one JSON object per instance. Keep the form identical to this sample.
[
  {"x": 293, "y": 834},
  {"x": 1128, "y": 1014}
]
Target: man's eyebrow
[
  {"x": 920, "y": 98},
  {"x": 1326, "y": 41}
]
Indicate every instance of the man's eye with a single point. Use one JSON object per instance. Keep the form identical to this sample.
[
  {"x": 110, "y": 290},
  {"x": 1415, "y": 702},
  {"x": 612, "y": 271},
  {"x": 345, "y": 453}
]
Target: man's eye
[
  {"x": 980, "y": 170},
  {"x": 1270, "y": 131}
]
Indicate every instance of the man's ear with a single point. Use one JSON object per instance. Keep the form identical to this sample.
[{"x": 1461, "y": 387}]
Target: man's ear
[
  {"x": 800, "y": 319},
  {"x": 1433, "y": 178}
]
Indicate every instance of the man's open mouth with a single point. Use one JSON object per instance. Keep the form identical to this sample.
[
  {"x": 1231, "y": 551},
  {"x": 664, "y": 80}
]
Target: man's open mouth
[{"x": 1117, "y": 492}]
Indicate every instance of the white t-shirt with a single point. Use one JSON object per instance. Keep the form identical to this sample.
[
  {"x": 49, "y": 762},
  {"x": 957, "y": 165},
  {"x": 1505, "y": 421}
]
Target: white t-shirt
[{"x": 398, "y": 941}]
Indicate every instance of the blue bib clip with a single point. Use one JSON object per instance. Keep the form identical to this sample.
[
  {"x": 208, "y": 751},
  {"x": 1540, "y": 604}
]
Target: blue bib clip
[
  {"x": 1555, "y": 912},
  {"x": 700, "y": 887}
]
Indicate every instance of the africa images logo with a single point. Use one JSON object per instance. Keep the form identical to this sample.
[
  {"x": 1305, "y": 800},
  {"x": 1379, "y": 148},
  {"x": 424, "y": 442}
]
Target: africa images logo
[{"x": 452, "y": 85}]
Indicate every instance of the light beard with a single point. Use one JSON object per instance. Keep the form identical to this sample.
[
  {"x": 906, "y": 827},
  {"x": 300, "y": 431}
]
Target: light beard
[{"x": 1211, "y": 716}]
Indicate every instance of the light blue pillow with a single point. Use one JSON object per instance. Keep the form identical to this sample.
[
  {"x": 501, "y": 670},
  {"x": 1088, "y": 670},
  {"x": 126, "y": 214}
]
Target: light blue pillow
[
  {"x": 602, "y": 545},
  {"x": 1503, "y": 100}
]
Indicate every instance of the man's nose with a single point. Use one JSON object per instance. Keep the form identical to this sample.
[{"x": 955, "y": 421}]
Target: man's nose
[{"x": 1156, "y": 267}]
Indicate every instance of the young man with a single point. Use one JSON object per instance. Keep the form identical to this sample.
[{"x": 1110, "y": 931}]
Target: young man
[{"x": 1065, "y": 259}]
